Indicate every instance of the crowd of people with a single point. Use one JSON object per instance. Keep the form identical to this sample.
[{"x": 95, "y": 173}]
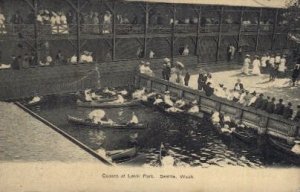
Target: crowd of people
[
  {"x": 238, "y": 93},
  {"x": 274, "y": 64}
]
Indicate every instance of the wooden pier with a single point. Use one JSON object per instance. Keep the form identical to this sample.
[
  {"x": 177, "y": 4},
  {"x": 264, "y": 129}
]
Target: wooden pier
[{"x": 263, "y": 122}]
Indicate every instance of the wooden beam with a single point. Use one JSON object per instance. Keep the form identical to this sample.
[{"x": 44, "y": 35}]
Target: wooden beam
[
  {"x": 220, "y": 31},
  {"x": 73, "y": 5},
  {"x": 199, "y": 14},
  {"x": 36, "y": 33},
  {"x": 240, "y": 28},
  {"x": 173, "y": 32},
  {"x": 78, "y": 30},
  {"x": 114, "y": 31},
  {"x": 31, "y": 5},
  {"x": 274, "y": 29},
  {"x": 146, "y": 28},
  {"x": 258, "y": 29}
]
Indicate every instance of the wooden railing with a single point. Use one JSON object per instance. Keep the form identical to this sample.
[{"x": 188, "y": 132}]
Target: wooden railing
[{"x": 266, "y": 123}]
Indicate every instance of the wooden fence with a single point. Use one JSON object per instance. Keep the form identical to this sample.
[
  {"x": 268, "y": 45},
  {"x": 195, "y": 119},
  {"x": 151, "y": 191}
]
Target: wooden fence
[{"x": 263, "y": 122}]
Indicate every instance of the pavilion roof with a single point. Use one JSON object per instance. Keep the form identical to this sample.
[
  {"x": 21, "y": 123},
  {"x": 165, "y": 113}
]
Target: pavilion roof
[{"x": 240, "y": 3}]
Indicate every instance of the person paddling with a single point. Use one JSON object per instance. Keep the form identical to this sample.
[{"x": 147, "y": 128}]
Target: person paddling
[{"x": 134, "y": 119}]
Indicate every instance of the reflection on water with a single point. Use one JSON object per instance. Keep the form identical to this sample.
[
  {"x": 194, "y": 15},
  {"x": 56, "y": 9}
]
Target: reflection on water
[{"x": 191, "y": 143}]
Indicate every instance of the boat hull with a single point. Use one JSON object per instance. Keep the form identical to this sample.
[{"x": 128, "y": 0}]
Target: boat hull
[
  {"x": 95, "y": 104},
  {"x": 84, "y": 122}
]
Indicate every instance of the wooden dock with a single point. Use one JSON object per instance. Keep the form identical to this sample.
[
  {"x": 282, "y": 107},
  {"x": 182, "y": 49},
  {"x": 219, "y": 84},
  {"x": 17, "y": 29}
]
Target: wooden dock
[{"x": 263, "y": 122}]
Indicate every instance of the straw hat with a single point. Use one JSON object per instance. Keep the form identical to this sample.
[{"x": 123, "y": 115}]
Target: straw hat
[{"x": 166, "y": 60}]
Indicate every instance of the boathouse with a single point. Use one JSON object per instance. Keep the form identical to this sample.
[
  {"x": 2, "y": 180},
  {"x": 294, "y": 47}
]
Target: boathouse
[{"x": 122, "y": 33}]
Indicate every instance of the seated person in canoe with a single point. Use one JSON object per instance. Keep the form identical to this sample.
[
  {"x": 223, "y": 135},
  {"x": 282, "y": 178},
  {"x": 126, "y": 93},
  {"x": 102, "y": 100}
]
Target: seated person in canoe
[
  {"x": 138, "y": 93},
  {"x": 194, "y": 107},
  {"x": 98, "y": 116},
  {"x": 134, "y": 120},
  {"x": 120, "y": 100}
]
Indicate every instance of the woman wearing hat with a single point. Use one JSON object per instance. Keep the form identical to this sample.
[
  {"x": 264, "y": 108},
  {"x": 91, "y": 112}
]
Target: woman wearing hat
[
  {"x": 282, "y": 66},
  {"x": 256, "y": 66},
  {"x": 247, "y": 61}
]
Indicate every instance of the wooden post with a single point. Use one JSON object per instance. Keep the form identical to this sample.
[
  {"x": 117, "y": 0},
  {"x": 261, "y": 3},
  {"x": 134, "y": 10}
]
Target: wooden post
[
  {"x": 274, "y": 29},
  {"x": 220, "y": 32},
  {"x": 173, "y": 33},
  {"x": 241, "y": 27},
  {"x": 258, "y": 30},
  {"x": 114, "y": 31},
  {"x": 78, "y": 31},
  {"x": 199, "y": 13},
  {"x": 146, "y": 28},
  {"x": 36, "y": 33}
]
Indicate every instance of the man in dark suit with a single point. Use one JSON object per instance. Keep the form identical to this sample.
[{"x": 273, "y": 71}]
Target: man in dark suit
[
  {"x": 265, "y": 103},
  {"x": 209, "y": 91},
  {"x": 288, "y": 111},
  {"x": 279, "y": 107},
  {"x": 271, "y": 106},
  {"x": 202, "y": 81},
  {"x": 297, "y": 117},
  {"x": 259, "y": 101},
  {"x": 238, "y": 86}
]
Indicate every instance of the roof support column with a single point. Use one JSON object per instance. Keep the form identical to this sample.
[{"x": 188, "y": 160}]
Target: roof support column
[
  {"x": 114, "y": 31},
  {"x": 197, "y": 51},
  {"x": 146, "y": 28},
  {"x": 219, "y": 34},
  {"x": 258, "y": 30},
  {"x": 274, "y": 29},
  {"x": 241, "y": 28},
  {"x": 173, "y": 33}
]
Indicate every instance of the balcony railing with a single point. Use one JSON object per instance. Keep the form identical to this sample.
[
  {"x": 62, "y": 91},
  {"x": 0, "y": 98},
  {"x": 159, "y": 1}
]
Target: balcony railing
[
  {"x": 123, "y": 29},
  {"x": 160, "y": 29},
  {"x": 186, "y": 28},
  {"x": 230, "y": 27},
  {"x": 129, "y": 29},
  {"x": 249, "y": 27}
]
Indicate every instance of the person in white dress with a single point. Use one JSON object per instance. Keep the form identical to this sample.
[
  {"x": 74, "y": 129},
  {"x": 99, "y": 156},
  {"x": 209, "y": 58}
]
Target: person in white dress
[
  {"x": 186, "y": 51},
  {"x": 167, "y": 99},
  {"x": 54, "y": 21},
  {"x": 263, "y": 62},
  {"x": 64, "y": 25},
  {"x": 107, "y": 23},
  {"x": 2, "y": 24},
  {"x": 256, "y": 66},
  {"x": 73, "y": 59},
  {"x": 247, "y": 61},
  {"x": 151, "y": 54},
  {"x": 282, "y": 66},
  {"x": 173, "y": 76}
]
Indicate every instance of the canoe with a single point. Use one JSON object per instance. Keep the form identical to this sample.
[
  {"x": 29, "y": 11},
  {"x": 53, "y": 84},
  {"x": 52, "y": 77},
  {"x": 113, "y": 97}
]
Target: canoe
[
  {"x": 245, "y": 136},
  {"x": 122, "y": 154},
  {"x": 87, "y": 122},
  {"x": 95, "y": 104},
  {"x": 285, "y": 150},
  {"x": 103, "y": 100},
  {"x": 28, "y": 104}
]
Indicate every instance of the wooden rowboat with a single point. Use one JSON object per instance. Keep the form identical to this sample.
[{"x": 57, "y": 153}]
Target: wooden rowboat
[
  {"x": 104, "y": 100},
  {"x": 245, "y": 136},
  {"x": 95, "y": 104},
  {"x": 122, "y": 154},
  {"x": 285, "y": 150},
  {"x": 87, "y": 122}
]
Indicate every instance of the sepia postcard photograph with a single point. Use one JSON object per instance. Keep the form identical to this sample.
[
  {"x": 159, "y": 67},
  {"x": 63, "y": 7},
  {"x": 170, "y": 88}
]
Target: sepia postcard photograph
[{"x": 149, "y": 95}]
